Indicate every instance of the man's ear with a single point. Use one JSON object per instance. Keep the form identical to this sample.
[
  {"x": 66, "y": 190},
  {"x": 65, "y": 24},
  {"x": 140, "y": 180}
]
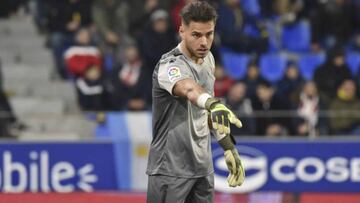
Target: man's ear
[{"x": 182, "y": 31}]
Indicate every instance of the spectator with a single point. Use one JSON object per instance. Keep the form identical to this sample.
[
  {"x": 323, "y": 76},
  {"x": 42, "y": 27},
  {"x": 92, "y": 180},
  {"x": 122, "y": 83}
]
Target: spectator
[
  {"x": 241, "y": 105},
  {"x": 331, "y": 74},
  {"x": 131, "y": 83},
  {"x": 41, "y": 9},
  {"x": 111, "y": 19},
  {"x": 83, "y": 62},
  {"x": 9, "y": 7},
  {"x": 175, "y": 10},
  {"x": 158, "y": 31},
  {"x": 346, "y": 107},
  {"x": 332, "y": 23},
  {"x": 354, "y": 44},
  {"x": 144, "y": 8},
  {"x": 223, "y": 82},
  {"x": 90, "y": 89},
  {"x": 266, "y": 8},
  {"x": 289, "y": 86},
  {"x": 285, "y": 13},
  {"x": 82, "y": 55},
  {"x": 309, "y": 121},
  {"x": 309, "y": 7},
  {"x": 230, "y": 26},
  {"x": 253, "y": 79},
  {"x": 265, "y": 105},
  {"x": 64, "y": 19}
]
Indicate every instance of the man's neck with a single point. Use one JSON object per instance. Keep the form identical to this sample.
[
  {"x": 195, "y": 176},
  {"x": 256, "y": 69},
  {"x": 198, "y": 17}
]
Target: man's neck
[{"x": 186, "y": 52}]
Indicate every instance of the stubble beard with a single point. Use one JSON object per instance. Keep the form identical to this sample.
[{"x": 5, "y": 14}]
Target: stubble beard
[{"x": 196, "y": 56}]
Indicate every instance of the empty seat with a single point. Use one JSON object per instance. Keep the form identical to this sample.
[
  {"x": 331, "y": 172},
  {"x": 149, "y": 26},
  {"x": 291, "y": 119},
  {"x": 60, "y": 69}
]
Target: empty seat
[
  {"x": 235, "y": 64},
  {"x": 272, "y": 66},
  {"x": 353, "y": 60},
  {"x": 251, "y": 7},
  {"x": 296, "y": 37},
  {"x": 308, "y": 63},
  {"x": 36, "y": 106}
]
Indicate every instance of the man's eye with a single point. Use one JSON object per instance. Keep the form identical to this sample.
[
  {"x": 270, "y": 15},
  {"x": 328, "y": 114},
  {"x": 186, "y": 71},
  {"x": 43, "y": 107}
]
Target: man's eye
[{"x": 196, "y": 35}]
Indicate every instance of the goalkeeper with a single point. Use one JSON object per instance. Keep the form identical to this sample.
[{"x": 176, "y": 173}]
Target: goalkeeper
[{"x": 180, "y": 166}]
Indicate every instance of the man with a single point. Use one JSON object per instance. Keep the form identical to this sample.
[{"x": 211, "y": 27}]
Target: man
[{"x": 180, "y": 164}]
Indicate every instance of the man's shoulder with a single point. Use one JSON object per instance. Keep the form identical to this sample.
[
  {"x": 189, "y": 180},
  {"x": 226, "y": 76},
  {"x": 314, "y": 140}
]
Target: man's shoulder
[{"x": 173, "y": 58}]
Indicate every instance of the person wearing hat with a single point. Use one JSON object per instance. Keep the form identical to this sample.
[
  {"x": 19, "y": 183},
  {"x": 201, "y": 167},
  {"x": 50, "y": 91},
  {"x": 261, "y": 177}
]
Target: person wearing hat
[
  {"x": 158, "y": 30},
  {"x": 332, "y": 73}
]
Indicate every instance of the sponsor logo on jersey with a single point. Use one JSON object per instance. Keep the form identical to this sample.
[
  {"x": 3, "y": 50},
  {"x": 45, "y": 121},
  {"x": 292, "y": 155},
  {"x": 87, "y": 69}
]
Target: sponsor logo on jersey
[{"x": 174, "y": 73}]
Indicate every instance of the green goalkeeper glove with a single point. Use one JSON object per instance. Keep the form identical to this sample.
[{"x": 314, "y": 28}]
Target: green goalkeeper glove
[
  {"x": 232, "y": 159},
  {"x": 221, "y": 116},
  {"x": 237, "y": 173}
]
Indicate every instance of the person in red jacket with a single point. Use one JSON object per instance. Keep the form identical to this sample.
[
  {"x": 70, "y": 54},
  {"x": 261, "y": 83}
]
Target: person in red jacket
[
  {"x": 82, "y": 55},
  {"x": 223, "y": 82},
  {"x": 84, "y": 63}
]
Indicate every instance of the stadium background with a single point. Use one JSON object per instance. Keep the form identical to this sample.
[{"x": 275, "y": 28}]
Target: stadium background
[{"x": 75, "y": 97}]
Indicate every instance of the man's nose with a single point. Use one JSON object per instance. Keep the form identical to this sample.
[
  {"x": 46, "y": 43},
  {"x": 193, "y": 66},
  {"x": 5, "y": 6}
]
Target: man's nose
[{"x": 203, "y": 41}]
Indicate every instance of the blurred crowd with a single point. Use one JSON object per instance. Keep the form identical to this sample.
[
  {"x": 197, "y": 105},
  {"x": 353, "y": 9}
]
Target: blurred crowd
[{"x": 109, "y": 48}]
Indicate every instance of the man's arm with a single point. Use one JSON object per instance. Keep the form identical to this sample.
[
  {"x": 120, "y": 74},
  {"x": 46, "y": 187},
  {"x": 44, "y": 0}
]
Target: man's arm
[
  {"x": 188, "y": 88},
  {"x": 221, "y": 116}
]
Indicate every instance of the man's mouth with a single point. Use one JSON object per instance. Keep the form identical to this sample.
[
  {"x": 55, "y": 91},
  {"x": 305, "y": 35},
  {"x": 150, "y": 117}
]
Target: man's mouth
[{"x": 202, "y": 50}]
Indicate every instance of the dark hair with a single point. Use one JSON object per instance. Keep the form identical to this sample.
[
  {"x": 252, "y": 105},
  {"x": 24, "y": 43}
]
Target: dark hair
[
  {"x": 198, "y": 11},
  {"x": 291, "y": 63},
  {"x": 265, "y": 83},
  {"x": 253, "y": 63}
]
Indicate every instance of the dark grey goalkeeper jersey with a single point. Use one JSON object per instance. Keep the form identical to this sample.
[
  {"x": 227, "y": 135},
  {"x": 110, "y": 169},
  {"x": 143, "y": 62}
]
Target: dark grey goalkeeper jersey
[{"x": 181, "y": 135}]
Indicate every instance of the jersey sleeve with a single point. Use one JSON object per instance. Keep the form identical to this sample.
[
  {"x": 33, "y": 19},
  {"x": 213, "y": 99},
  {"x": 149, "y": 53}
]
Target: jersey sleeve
[{"x": 172, "y": 72}]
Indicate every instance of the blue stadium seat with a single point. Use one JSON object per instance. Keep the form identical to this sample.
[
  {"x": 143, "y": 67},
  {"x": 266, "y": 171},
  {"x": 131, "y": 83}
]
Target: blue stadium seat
[
  {"x": 251, "y": 7},
  {"x": 296, "y": 37},
  {"x": 308, "y": 63},
  {"x": 235, "y": 64},
  {"x": 272, "y": 66},
  {"x": 353, "y": 60},
  {"x": 250, "y": 29}
]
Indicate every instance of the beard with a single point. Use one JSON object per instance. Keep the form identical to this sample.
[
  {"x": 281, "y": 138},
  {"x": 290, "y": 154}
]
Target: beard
[{"x": 197, "y": 54}]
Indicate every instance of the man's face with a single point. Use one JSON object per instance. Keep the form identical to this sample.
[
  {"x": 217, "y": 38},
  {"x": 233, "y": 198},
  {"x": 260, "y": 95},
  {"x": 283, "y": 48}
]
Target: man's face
[
  {"x": 83, "y": 37},
  {"x": 310, "y": 89},
  {"x": 349, "y": 88},
  {"x": 264, "y": 93},
  {"x": 198, "y": 37},
  {"x": 131, "y": 54},
  {"x": 292, "y": 72},
  {"x": 237, "y": 92},
  {"x": 160, "y": 25},
  {"x": 253, "y": 72},
  {"x": 339, "y": 60}
]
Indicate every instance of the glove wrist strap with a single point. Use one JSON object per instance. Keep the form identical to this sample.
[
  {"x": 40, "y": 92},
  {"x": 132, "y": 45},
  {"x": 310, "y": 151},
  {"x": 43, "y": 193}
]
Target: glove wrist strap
[
  {"x": 210, "y": 103},
  {"x": 201, "y": 100},
  {"x": 227, "y": 143}
]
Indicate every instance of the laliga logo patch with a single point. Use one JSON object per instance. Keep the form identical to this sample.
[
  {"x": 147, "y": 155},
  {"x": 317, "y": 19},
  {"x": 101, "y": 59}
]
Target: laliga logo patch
[
  {"x": 174, "y": 73},
  {"x": 255, "y": 163}
]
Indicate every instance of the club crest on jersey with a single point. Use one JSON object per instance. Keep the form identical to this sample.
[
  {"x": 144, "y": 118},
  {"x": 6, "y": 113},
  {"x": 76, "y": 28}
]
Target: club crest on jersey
[{"x": 174, "y": 73}]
